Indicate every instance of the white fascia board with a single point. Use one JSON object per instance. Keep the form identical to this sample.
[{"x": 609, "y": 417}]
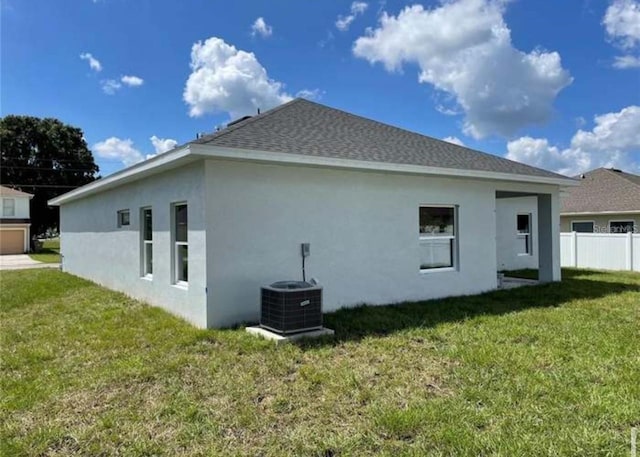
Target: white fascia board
[
  {"x": 596, "y": 213},
  {"x": 156, "y": 164},
  {"x": 209, "y": 151},
  {"x": 191, "y": 152}
]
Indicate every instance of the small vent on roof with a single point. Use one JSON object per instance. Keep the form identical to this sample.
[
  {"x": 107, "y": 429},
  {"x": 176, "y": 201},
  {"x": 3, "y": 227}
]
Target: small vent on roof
[
  {"x": 243, "y": 118},
  {"x": 617, "y": 170}
]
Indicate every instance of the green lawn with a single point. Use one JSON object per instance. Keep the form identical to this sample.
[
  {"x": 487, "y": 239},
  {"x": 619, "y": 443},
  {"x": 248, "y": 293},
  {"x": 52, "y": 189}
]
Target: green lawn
[
  {"x": 545, "y": 370},
  {"x": 50, "y": 252}
]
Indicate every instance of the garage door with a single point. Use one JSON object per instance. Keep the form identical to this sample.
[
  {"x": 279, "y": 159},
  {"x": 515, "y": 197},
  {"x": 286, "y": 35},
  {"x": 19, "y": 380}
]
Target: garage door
[{"x": 11, "y": 241}]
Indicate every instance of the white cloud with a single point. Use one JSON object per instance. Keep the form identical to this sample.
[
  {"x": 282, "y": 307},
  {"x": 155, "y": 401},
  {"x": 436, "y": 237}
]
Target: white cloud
[
  {"x": 624, "y": 62},
  {"x": 613, "y": 142},
  {"x": 110, "y": 86},
  {"x": 622, "y": 23},
  {"x": 163, "y": 144},
  {"x": 464, "y": 49},
  {"x": 94, "y": 63},
  {"x": 132, "y": 81},
  {"x": 225, "y": 79},
  {"x": 260, "y": 27},
  {"x": 310, "y": 94},
  {"x": 124, "y": 151},
  {"x": 117, "y": 149},
  {"x": 344, "y": 22},
  {"x": 454, "y": 140}
]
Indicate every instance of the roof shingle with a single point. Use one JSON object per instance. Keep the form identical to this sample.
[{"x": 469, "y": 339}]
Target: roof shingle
[
  {"x": 9, "y": 192},
  {"x": 603, "y": 189},
  {"x": 308, "y": 128}
]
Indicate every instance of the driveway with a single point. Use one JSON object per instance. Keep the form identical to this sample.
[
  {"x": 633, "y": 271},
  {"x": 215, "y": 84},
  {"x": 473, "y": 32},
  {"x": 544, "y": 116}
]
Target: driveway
[{"x": 21, "y": 262}]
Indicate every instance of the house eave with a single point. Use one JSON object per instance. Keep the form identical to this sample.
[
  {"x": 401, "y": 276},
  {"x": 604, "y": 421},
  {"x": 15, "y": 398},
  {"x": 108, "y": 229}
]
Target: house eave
[
  {"x": 157, "y": 164},
  {"x": 209, "y": 151},
  {"x": 595, "y": 213},
  {"x": 192, "y": 152}
]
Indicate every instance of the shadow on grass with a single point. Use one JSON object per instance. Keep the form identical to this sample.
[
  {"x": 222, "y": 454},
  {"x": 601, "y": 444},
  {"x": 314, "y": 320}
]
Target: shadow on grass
[{"x": 357, "y": 323}]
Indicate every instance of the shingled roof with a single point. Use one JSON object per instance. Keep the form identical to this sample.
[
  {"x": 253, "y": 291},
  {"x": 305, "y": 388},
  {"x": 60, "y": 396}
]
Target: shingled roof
[
  {"x": 9, "y": 192},
  {"x": 308, "y": 128},
  {"x": 603, "y": 189}
]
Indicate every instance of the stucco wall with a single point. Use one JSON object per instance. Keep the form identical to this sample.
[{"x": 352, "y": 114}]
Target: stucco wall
[
  {"x": 509, "y": 246},
  {"x": 21, "y": 208},
  {"x": 601, "y": 223},
  {"x": 363, "y": 230},
  {"x": 246, "y": 223},
  {"x": 95, "y": 248}
]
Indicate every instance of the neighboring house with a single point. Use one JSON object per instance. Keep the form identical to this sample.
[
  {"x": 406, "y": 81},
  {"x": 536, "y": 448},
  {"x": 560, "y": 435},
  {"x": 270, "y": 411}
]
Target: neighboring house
[
  {"x": 390, "y": 216},
  {"x": 606, "y": 201},
  {"x": 15, "y": 223}
]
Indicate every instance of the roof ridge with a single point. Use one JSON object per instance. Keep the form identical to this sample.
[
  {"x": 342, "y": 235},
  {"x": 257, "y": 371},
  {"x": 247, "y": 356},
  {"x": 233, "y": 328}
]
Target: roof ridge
[
  {"x": 241, "y": 124},
  {"x": 624, "y": 175}
]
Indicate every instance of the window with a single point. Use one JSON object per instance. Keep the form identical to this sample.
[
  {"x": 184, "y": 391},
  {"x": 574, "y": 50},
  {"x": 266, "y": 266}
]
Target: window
[
  {"x": 123, "y": 217},
  {"x": 438, "y": 240},
  {"x": 621, "y": 226},
  {"x": 524, "y": 233},
  {"x": 181, "y": 247},
  {"x": 8, "y": 207},
  {"x": 582, "y": 227},
  {"x": 146, "y": 227}
]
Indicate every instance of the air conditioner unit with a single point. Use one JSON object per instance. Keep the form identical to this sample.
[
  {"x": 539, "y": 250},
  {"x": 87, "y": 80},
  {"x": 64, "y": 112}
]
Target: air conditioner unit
[{"x": 291, "y": 307}]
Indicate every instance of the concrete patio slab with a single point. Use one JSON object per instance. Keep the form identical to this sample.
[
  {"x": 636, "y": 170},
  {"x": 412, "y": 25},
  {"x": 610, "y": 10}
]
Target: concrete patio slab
[
  {"x": 512, "y": 283},
  {"x": 281, "y": 339}
]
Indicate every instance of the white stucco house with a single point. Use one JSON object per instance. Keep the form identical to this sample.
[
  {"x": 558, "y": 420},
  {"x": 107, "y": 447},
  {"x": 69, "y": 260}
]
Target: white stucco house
[
  {"x": 15, "y": 221},
  {"x": 390, "y": 216}
]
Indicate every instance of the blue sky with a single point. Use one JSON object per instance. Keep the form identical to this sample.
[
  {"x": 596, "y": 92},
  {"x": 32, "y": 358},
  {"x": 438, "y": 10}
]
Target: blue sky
[{"x": 554, "y": 84}]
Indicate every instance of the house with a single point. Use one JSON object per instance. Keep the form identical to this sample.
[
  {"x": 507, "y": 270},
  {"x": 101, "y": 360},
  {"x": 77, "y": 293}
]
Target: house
[
  {"x": 15, "y": 223},
  {"x": 390, "y": 216},
  {"x": 606, "y": 201}
]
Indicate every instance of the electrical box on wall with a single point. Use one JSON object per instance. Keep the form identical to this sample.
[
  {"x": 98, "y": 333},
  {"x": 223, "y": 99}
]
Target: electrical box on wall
[{"x": 306, "y": 249}]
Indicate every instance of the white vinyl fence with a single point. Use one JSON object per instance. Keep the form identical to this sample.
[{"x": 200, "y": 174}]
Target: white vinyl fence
[{"x": 604, "y": 251}]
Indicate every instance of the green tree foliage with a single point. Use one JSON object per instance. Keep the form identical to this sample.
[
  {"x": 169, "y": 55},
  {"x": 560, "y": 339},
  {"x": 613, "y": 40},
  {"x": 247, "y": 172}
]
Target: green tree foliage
[{"x": 46, "y": 158}]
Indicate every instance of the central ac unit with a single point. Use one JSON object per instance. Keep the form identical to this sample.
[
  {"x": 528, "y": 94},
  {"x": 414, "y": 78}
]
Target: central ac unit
[{"x": 291, "y": 307}]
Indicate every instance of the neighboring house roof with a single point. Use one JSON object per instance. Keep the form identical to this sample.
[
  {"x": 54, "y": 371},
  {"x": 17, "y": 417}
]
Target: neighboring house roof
[
  {"x": 603, "y": 190},
  {"x": 308, "y": 128},
  {"x": 9, "y": 192},
  {"x": 307, "y": 133}
]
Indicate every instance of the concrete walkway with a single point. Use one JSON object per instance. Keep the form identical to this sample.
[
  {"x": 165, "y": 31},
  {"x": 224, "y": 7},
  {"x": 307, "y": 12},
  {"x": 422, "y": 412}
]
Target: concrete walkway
[{"x": 22, "y": 261}]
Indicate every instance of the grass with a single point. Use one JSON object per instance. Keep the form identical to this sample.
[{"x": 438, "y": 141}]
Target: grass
[
  {"x": 545, "y": 370},
  {"x": 50, "y": 252}
]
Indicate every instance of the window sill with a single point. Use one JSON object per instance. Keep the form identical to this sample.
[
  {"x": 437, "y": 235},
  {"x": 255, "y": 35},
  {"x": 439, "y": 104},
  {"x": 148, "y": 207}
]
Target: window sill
[
  {"x": 437, "y": 270},
  {"x": 524, "y": 254},
  {"x": 147, "y": 277},
  {"x": 181, "y": 285}
]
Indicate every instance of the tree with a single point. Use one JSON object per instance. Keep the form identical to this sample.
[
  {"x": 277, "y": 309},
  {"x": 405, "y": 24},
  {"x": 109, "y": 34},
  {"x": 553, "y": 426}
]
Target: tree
[{"x": 46, "y": 158}]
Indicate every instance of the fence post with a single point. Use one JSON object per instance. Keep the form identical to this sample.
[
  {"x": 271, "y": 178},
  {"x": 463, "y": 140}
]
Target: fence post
[
  {"x": 574, "y": 249},
  {"x": 629, "y": 250}
]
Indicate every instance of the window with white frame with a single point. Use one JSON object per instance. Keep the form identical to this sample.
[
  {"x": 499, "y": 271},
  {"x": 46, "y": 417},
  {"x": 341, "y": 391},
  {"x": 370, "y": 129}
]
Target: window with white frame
[
  {"x": 146, "y": 227},
  {"x": 181, "y": 246},
  {"x": 8, "y": 207},
  {"x": 524, "y": 234},
  {"x": 621, "y": 226},
  {"x": 438, "y": 237},
  {"x": 582, "y": 226},
  {"x": 123, "y": 218}
]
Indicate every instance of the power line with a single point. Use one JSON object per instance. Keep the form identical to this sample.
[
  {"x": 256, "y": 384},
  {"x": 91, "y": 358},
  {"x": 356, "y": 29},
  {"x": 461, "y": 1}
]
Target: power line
[
  {"x": 45, "y": 168},
  {"x": 59, "y": 159},
  {"x": 53, "y": 186}
]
